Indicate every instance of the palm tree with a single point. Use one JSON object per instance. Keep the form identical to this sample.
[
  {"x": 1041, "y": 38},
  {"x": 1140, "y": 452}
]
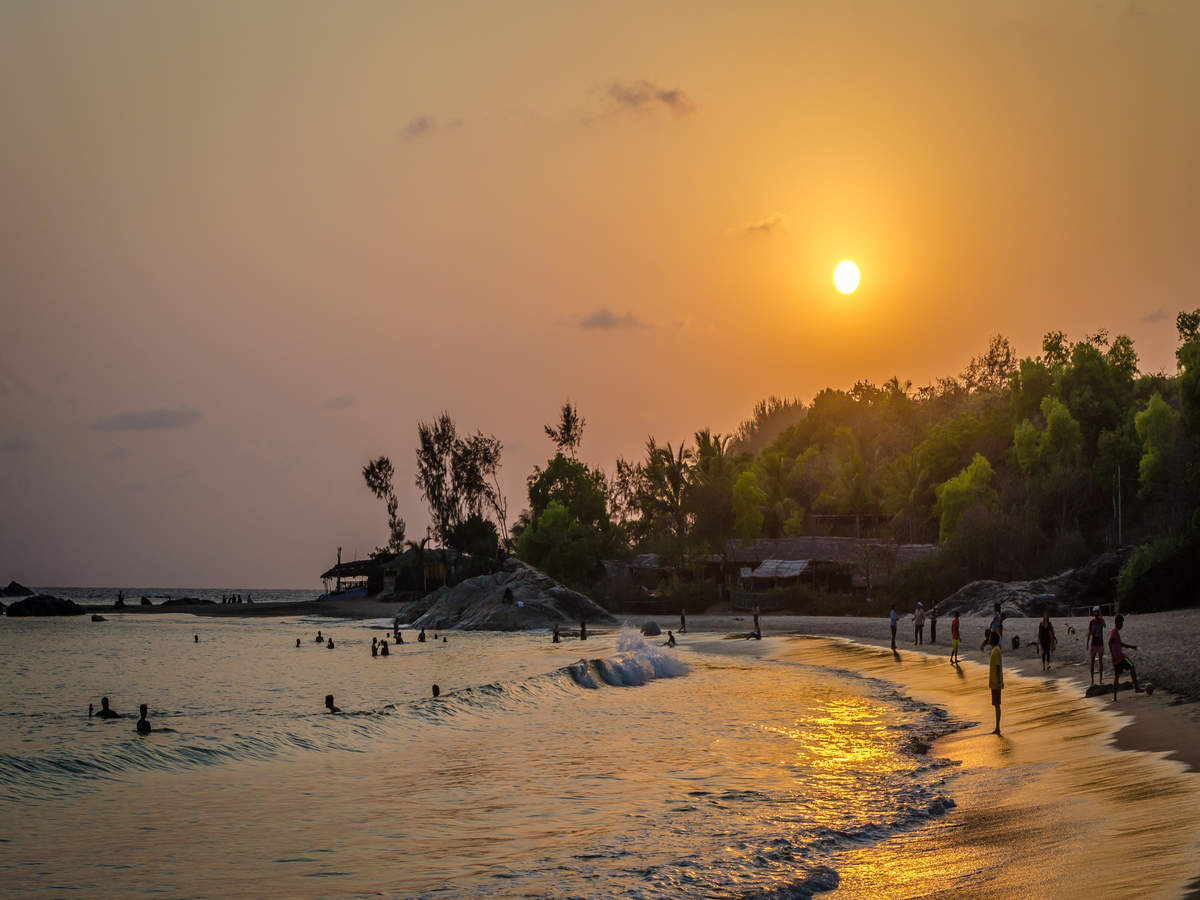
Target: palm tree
[{"x": 418, "y": 548}]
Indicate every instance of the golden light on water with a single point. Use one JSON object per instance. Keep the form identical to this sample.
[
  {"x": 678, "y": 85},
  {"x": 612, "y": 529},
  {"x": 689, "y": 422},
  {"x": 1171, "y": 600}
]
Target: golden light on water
[{"x": 845, "y": 276}]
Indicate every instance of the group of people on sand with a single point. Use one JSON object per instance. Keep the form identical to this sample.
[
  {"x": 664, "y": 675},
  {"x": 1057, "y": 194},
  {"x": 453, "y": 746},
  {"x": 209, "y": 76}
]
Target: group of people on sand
[
  {"x": 107, "y": 712},
  {"x": 1047, "y": 643}
]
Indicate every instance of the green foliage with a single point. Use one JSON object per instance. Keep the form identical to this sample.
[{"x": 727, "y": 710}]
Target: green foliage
[
  {"x": 748, "y": 501},
  {"x": 458, "y": 476},
  {"x": 1161, "y": 574},
  {"x": 971, "y": 486},
  {"x": 378, "y": 474},
  {"x": 1158, "y": 428}
]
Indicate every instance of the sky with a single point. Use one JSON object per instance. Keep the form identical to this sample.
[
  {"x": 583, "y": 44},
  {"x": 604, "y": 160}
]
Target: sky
[{"x": 246, "y": 246}]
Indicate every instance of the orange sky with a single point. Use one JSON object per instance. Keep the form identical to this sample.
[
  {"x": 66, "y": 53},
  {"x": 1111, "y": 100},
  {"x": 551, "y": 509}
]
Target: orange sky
[{"x": 301, "y": 227}]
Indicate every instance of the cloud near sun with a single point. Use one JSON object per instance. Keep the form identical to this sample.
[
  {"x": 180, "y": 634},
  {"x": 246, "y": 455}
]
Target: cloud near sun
[{"x": 763, "y": 227}]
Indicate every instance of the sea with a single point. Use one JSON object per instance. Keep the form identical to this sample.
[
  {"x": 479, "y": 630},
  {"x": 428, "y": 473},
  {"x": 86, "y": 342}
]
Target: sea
[{"x": 612, "y": 767}]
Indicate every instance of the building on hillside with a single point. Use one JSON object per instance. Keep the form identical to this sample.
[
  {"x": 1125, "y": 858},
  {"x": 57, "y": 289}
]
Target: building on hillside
[{"x": 871, "y": 563}]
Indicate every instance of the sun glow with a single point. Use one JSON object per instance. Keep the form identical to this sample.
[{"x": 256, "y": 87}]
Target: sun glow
[{"x": 845, "y": 276}]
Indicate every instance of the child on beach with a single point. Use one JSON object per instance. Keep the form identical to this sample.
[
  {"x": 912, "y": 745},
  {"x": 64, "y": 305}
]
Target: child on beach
[
  {"x": 996, "y": 677},
  {"x": 1046, "y": 639}
]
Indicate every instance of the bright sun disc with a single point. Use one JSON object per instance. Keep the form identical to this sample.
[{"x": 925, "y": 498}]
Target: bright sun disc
[{"x": 845, "y": 276}]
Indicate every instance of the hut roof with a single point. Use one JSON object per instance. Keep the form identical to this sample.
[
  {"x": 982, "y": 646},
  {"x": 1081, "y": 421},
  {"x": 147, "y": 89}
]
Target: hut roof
[{"x": 780, "y": 568}]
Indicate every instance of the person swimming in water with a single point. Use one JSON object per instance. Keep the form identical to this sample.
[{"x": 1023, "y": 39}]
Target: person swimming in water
[
  {"x": 383, "y": 650},
  {"x": 329, "y": 704},
  {"x": 105, "y": 712},
  {"x": 421, "y": 636},
  {"x": 297, "y": 642},
  {"x": 143, "y": 725},
  {"x": 436, "y": 691},
  {"x": 318, "y": 639},
  {"x": 329, "y": 646}
]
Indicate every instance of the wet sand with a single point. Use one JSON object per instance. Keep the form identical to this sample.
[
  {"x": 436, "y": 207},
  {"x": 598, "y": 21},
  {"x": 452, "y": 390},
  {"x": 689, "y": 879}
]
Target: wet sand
[{"x": 1052, "y": 807}]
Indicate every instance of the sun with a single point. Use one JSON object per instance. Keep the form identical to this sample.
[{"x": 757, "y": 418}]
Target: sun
[{"x": 845, "y": 276}]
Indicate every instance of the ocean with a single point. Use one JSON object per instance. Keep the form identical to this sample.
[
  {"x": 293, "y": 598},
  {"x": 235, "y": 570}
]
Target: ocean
[{"x": 614, "y": 767}]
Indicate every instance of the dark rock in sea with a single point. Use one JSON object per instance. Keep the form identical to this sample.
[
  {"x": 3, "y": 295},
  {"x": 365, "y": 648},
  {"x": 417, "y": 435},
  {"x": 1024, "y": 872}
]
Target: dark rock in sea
[
  {"x": 45, "y": 605},
  {"x": 96, "y": 617},
  {"x": 15, "y": 589},
  {"x": 1092, "y": 584},
  {"x": 517, "y": 598},
  {"x": 146, "y": 601},
  {"x": 650, "y": 629},
  {"x": 186, "y": 601},
  {"x": 119, "y": 604}
]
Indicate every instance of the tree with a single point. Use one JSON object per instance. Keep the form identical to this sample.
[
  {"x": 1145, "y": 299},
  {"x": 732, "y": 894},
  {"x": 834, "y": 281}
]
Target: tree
[
  {"x": 457, "y": 477},
  {"x": 748, "y": 500},
  {"x": 568, "y": 434},
  {"x": 378, "y": 475},
  {"x": 971, "y": 486},
  {"x": 1157, "y": 427}
]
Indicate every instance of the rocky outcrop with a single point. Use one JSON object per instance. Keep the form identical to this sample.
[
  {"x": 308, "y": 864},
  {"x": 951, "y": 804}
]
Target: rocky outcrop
[
  {"x": 650, "y": 629},
  {"x": 1089, "y": 585},
  {"x": 16, "y": 590},
  {"x": 44, "y": 605},
  {"x": 517, "y": 598}
]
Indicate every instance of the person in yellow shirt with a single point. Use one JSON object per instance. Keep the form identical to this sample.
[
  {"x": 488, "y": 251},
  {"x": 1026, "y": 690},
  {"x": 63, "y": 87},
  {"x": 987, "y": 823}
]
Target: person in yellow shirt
[{"x": 996, "y": 677}]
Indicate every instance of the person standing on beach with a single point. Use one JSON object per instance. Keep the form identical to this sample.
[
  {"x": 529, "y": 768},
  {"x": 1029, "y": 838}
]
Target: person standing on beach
[
  {"x": 683, "y": 621},
  {"x": 933, "y": 625},
  {"x": 756, "y": 628},
  {"x": 1121, "y": 662},
  {"x": 1046, "y": 639},
  {"x": 996, "y": 627},
  {"x": 919, "y": 624},
  {"x": 996, "y": 677},
  {"x": 1095, "y": 638},
  {"x": 894, "y": 618},
  {"x": 954, "y": 639}
]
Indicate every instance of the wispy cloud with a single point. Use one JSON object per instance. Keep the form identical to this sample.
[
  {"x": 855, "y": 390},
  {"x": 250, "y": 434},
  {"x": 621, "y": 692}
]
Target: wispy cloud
[
  {"x": 425, "y": 126},
  {"x": 607, "y": 320},
  {"x": 148, "y": 419},
  {"x": 764, "y": 227},
  {"x": 15, "y": 443},
  {"x": 643, "y": 97},
  {"x": 342, "y": 401},
  {"x": 1157, "y": 316}
]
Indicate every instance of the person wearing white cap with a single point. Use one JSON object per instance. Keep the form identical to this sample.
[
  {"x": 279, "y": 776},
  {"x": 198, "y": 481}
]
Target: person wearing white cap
[{"x": 1095, "y": 635}]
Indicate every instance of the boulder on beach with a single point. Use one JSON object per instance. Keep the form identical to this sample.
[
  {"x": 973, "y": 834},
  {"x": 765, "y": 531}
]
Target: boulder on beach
[
  {"x": 650, "y": 629},
  {"x": 14, "y": 589},
  {"x": 96, "y": 617},
  {"x": 44, "y": 605},
  {"x": 1092, "y": 584},
  {"x": 517, "y": 598}
]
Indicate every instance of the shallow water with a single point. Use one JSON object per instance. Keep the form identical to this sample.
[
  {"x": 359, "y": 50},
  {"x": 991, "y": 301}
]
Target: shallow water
[{"x": 609, "y": 768}]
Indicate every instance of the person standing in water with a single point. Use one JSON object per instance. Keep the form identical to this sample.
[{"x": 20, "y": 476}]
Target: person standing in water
[
  {"x": 555, "y": 639},
  {"x": 583, "y": 629},
  {"x": 683, "y": 621},
  {"x": 894, "y": 618},
  {"x": 143, "y": 724},
  {"x": 996, "y": 677},
  {"x": 374, "y": 647},
  {"x": 919, "y": 624},
  {"x": 329, "y": 704},
  {"x": 105, "y": 712},
  {"x": 383, "y": 650}
]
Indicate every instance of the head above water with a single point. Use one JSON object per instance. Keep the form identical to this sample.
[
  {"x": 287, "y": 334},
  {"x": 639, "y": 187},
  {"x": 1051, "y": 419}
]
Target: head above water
[
  {"x": 329, "y": 701},
  {"x": 142, "y": 710},
  {"x": 104, "y": 703}
]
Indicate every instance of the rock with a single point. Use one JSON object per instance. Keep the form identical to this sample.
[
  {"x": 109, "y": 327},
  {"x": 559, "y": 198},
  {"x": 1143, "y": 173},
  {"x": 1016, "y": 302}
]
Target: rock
[
  {"x": 16, "y": 590},
  {"x": 96, "y": 617},
  {"x": 45, "y": 605},
  {"x": 119, "y": 604},
  {"x": 146, "y": 601},
  {"x": 517, "y": 598},
  {"x": 650, "y": 629},
  {"x": 1089, "y": 585}
]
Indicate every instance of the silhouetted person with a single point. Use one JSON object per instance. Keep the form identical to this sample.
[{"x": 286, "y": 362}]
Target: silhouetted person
[
  {"x": 105, "y": 712},
  {"x": 318, "y": 639},
  {"x": 383, "y": 650},
  {"x": 683, "y": 621},
  {"x": 196, "y": 638},
  {"x": 583, "y": 629},
  {"x": 421, "y": 637},
  {"x": 555, "y": 638},
  {"x": 399, "y": 637},
  {"x": 90, "y": 707},
  {"x": 995, "y": 675},
  {"x": 755, "y": 617},
  {"x": 444, "y": 640},
  {"x": 894, "y": 619},
  {"x": 436, "y": 691},
  {"x": 670, "y": 638},
  {"x": 374, "y": 647},
  {"x": 329, "y": 646},
  {"x": 143, "y": 726},
  {"x": 1121, "y": 662},
  {"x": 933, "y": 625},
  {"x": 329, "y": 704},
  {"x": 297, "y": 642}
]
